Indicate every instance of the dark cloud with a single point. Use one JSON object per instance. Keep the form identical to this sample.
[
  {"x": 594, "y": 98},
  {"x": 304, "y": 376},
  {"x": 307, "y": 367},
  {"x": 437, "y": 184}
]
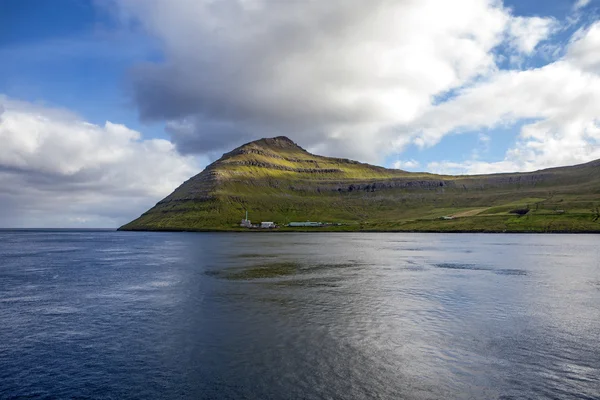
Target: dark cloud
[{"x": 322, "y": 72}]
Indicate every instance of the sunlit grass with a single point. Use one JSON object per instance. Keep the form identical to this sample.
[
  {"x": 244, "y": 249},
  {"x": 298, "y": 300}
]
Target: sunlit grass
[{"x": 362, "y": 197}]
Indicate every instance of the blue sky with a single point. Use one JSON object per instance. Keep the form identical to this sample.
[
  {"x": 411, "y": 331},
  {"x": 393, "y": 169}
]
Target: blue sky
[
  {"x": 64, "y": 51},
  {"x": 450, "y": 87}
]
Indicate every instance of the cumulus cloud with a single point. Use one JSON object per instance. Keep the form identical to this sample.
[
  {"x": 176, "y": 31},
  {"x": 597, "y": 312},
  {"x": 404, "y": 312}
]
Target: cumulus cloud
[
  {"x": 526, "y": 33},
  {"x": 58, "y": 170},
  {"x": 406, "y": 164},
  {"x": 335, "y": 75},
  {"x": 583, "y": 49},
  {"x": 562, "y": 99}
]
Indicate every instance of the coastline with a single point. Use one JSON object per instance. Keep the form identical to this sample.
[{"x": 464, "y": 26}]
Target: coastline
[{"x": 321, "y": 230}]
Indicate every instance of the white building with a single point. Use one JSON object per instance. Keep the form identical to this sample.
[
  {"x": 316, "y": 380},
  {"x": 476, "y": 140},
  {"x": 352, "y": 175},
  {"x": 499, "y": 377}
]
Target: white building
[
  {"x": 267, "y": 224},
  {"x": 246, "y": 222}
]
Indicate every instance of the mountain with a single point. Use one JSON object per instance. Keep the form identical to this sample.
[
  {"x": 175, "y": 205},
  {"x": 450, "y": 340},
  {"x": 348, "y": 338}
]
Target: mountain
[{"x": 276, "y": 180}]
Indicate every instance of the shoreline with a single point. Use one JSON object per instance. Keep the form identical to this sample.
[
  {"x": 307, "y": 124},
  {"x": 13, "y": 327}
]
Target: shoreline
[{"x": 320, "y": 230}]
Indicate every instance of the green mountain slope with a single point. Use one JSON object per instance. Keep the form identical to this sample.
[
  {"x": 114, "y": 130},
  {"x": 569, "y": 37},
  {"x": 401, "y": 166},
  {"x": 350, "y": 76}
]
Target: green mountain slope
[{"x": 276, "y": 180}]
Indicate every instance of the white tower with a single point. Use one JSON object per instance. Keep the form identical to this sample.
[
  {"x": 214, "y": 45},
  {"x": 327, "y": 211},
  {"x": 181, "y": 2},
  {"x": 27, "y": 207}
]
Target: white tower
[{"x": 245, "y": 222}]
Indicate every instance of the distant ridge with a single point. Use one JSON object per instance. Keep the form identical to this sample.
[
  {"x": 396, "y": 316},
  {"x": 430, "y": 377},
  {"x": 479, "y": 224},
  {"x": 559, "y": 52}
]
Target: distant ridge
[{"x": 275, "y": 179}]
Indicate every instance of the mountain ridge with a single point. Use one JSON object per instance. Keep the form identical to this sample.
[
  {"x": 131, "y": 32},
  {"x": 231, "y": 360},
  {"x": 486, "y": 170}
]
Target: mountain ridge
[{"x": 276, "y": 179}]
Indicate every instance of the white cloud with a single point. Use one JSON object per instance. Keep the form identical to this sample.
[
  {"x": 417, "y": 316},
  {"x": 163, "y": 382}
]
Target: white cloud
[
  {"x": 580, "y": 4},
  {"x": 60, "y": 170},
  {"x": 562, "y": 99},
  {"x": 336, "y": 75},
  {"x": 526, "y": 33},
  {"x": 583, "y": 50},
  {"x": 406, "y": 164}
]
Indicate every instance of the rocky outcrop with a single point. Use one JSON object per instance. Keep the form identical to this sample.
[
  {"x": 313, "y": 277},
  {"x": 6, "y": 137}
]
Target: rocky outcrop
[{"x": 260, "y": 164}]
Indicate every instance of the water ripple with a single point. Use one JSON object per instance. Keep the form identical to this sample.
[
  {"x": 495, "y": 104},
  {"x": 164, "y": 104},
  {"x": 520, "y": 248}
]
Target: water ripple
[{"x": 116, "y": 315}]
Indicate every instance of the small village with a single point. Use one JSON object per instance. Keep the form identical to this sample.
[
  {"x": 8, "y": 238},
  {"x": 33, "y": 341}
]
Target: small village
[{"x": 246, "y": 223}]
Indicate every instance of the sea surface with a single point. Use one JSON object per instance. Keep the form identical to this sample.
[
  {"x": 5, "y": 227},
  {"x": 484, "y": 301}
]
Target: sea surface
[{"x": 124, "y": 315}]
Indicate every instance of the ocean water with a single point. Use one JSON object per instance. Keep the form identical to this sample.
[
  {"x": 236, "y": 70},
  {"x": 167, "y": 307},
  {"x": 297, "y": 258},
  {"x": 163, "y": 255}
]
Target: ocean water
[{"x": 123, "y": 315}]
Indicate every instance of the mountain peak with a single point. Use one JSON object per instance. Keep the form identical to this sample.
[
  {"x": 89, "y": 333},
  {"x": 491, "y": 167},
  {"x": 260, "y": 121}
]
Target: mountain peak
[
  {"x": 265, "y": 146},
  {"x": 278, "y": 142}
]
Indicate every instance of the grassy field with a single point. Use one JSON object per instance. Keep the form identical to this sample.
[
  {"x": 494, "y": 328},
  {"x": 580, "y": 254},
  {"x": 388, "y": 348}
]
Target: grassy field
[{"x": 275, "y": 180}]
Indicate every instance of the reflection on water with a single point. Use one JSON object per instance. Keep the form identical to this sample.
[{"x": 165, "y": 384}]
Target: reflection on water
[{"x": 310, "y": 316}]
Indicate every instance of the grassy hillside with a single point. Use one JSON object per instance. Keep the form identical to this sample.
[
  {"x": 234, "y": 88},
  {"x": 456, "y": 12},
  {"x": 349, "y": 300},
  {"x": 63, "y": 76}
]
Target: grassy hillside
[{"x": 276, "y": 180}]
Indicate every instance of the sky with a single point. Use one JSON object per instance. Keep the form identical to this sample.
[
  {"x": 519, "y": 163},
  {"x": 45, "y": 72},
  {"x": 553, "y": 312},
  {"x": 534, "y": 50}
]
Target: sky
[{"x": 106, "y": 106}]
